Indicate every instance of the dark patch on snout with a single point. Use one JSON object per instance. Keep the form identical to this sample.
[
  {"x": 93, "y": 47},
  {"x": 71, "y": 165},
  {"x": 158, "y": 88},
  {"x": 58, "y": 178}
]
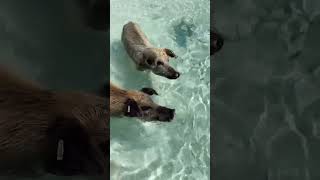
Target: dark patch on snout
[
  {"x": 174, "y": 75},
  {"x": 81, "y": 155},
  {"x": 165, "y": 114}
]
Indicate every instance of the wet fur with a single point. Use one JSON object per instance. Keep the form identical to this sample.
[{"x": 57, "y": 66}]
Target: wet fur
[
  {"x": 119, "y": 99},
  {"x": 132, "y": 103},
  {"x": 33, "y": 119},
  {"x": 135, "y": 42},
  {"x": 139, "y": 49}
]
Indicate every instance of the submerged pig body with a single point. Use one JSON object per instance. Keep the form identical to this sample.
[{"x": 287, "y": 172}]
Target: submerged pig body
[{"x": 145, "y": 55}]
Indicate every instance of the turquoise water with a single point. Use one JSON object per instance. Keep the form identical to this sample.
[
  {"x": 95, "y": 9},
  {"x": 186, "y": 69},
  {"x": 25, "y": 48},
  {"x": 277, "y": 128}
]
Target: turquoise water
[{"x": 179, "y": 149}]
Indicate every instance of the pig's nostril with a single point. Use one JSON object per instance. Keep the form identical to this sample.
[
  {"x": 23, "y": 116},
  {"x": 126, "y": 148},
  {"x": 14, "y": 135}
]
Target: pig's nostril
[
  {"x": 166, "y": 114},
  {"x": 173, "y": 75},
  {"x": 177, "y": 75},
  {"x": 171, "y": 114}
]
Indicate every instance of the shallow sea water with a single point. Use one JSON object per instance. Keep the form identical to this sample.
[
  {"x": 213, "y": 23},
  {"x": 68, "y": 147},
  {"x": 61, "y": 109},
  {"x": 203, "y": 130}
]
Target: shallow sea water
[{"x": 179, "y": 149}]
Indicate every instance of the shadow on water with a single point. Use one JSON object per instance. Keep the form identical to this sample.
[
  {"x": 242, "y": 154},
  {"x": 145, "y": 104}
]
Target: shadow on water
[{"x": 183, "y": 30}]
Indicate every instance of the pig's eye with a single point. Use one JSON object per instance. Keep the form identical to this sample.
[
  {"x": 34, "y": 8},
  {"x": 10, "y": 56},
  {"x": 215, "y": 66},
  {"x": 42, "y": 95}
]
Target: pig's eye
[
  {"x": 159, "y": 63},
  {"x": 149, "y": 61},
  {"x": 144, "y": 108}
]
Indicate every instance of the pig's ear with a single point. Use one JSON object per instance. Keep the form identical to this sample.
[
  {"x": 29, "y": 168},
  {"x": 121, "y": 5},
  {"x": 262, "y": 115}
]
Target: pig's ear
[
  {"x": 170, "y": 53},
  {"x": 149, "y": 91},
  {"x": 131, "y": 108}
]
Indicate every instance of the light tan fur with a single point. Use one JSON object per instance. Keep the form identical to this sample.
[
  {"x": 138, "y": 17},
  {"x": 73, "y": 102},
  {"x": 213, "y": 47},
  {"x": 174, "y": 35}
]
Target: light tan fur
[
  {"x": 135, "y": 42},
  {"x": 144, "y": 54}
]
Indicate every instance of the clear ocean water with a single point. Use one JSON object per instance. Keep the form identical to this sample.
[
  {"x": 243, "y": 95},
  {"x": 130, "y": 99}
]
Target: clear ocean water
[{"x": 179, "y": 149}]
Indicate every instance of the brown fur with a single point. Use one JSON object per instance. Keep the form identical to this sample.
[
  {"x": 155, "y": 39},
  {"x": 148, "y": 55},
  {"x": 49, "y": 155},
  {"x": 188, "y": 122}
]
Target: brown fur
[
  {"x": 144, "y": 54},
  {"x": 138, "y": 100},
  {"x": 119, "y": 96},
  {"x": 28, "y": 113}
]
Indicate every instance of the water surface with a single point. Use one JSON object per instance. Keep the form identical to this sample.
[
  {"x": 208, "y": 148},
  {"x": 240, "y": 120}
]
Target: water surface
[{"x": 179, "y": 149}]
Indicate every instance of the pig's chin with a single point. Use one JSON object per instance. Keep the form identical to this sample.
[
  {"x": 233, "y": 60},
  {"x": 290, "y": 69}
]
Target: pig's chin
[
  {"x": 147, "y": 118},
  {"x": 155, "y": 119}
]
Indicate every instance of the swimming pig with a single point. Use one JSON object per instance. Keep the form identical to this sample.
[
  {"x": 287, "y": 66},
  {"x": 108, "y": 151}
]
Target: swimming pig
[
  {"x": 138, "y": 104},
  {"x": 145, "y": 56}
]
